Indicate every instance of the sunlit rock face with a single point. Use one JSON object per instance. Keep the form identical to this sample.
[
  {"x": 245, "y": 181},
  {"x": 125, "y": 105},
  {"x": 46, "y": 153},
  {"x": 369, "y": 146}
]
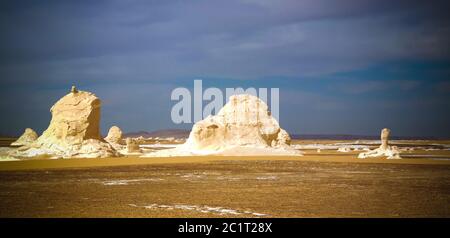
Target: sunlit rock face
[
  {"x": 244, "y": 121},
  {"x": 114, "y": 135},
  {"x": 114, "y": 138},
  {"x": 74, "y": 129},
  {"x": 28, "y": 137},
  {"x": 385, "y": 133},
  {"x": 385, "y": 150}
]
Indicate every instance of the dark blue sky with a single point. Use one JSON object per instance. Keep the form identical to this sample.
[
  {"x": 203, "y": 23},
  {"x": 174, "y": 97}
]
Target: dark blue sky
[{"x": 347, "y": 66}]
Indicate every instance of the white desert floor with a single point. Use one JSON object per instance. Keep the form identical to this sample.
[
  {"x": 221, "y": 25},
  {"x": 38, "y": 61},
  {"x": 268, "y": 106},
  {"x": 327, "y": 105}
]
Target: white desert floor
[
  {"x": 425, "y": 149},
  {"x": 412, "y": 151}
]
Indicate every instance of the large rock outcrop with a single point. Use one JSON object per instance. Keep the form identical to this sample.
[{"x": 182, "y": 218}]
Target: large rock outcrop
[
  {"x": 28, "y": 137},
  {"x": 244, "y": 121},
  {"x": 244, "y": 126},
  {"x": 74, "y": 130},
  {"x": 385, "y": 150}
]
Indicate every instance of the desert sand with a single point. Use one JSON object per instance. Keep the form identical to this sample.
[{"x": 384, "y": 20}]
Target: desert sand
[{"x": 328, "y": 183}]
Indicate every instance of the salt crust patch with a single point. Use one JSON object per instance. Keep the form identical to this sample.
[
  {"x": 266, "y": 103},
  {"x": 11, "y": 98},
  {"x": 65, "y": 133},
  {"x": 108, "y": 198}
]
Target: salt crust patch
[
  {"x": 128, "y": 181},
  {"x": 201, "y": 209},
  {"x": 158, "y": 145},
  {"x": 267, "y": 178}
]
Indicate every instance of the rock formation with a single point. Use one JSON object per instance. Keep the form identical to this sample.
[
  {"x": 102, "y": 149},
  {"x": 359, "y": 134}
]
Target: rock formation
[
  {"x": 391, "y": 152},
  {"x": 114, "y": 136},
  {"x": 244, "y": 126},
  {"x": 244, "y": 121},
  {"x": 132, "y": 146},
  {"x": 74, "y": 130},
  {"x": 139, "y": 140},
  {"x": 26, "y": 138},
  {"x": 385, "y": 133}
]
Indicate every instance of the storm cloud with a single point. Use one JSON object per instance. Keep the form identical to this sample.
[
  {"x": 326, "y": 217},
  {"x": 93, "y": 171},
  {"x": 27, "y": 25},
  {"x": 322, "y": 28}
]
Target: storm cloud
[{"x": 350, "y": 66}]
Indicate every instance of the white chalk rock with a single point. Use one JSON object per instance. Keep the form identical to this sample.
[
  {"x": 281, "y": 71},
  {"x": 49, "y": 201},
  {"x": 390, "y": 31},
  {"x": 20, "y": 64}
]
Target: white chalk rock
[
  {"x": 28, "y": 137},
  {"x": 244, "y": 126},
  {"x": 132, "y": 146},
  {"x": 385, "y": 150},
  {"x": 244, "y": 121},
  {"x": 5, "y": 154},
  {"x": 114, "y": 138},
  {"x": 74, "y": 130}
]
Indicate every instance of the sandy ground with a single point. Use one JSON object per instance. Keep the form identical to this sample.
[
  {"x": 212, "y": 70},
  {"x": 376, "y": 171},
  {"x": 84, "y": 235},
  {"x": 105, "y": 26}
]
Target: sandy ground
[
  {"x": 39, "y": 164},
  {"x": 326, "y": 184},
  {"x": 225, "y": 187}
]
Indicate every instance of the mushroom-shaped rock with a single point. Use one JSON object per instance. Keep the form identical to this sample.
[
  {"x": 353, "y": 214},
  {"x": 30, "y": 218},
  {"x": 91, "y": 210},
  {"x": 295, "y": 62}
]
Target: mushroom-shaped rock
[
  {"x": 28, "y": 136},
  {"x": 114, "y": 138},
  {"x": 114, "y": 135},
  {"x": 74, "y": 130},
  {"x": 385, "y": 150}
]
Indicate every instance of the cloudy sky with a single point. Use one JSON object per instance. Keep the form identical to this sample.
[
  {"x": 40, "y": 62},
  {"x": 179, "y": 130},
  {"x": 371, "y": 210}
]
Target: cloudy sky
[{"x": 343, "y": 67}]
